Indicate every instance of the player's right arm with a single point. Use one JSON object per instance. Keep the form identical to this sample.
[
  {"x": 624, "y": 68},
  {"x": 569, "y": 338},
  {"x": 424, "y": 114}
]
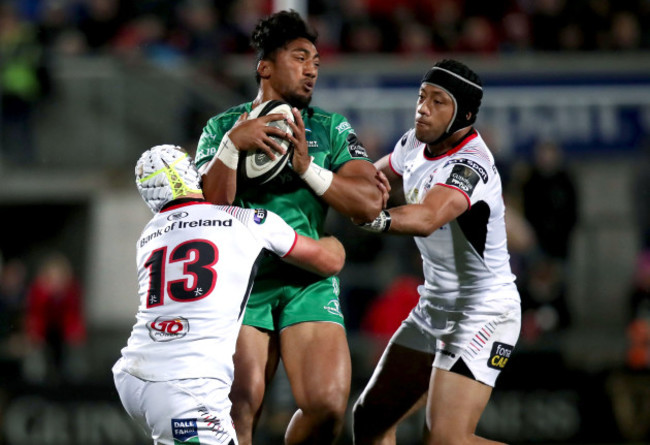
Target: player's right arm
[
  {"x": 325, "y": 256},
  {"x": 219, "y": 175}
]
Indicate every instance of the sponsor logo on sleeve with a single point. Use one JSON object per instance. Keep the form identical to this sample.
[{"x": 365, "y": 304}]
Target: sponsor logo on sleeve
[
  {"x": 500, "y": 355},
  {"x": 463, "y": 178},
  {"x": 355, "y": 147},
  {"x": 473, "y": 165},
  {"x": 259, "y": 216},
  {"x": 185, "y": 431}
]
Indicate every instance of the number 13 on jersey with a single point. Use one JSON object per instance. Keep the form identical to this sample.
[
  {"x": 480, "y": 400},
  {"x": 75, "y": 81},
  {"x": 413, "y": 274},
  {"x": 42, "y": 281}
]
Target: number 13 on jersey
[{"x": 197, "y": 258}]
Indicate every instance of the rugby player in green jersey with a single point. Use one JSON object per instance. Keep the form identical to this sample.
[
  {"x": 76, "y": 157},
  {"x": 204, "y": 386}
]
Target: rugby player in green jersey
[{"x": 292, "y": 315}]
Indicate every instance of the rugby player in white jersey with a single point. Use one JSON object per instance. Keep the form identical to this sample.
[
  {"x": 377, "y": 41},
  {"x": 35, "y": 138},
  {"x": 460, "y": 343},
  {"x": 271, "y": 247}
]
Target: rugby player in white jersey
[
  {"x": 451, "y": 348},
  {"x": 196, "y": 263}
]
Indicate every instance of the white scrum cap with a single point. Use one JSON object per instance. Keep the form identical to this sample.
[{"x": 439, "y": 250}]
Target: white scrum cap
[{"x": 164, "y": 173}]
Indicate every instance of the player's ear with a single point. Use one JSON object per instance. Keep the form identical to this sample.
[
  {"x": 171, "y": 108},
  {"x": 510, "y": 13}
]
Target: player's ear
[{"x": 264, "y": 69}]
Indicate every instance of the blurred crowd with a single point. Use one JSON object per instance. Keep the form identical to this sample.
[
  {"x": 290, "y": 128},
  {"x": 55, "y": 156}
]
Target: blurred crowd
[
  {"x": 203, "y": 29},
  {"x": 42, "y": 322},
  {"x": 34, "y": 34}
]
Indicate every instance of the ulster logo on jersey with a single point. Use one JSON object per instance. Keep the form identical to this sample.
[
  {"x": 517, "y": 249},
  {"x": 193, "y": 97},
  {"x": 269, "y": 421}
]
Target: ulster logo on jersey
[
  {"x": 168, "y": 328},
  {"x": 499, "y": 355},
  {"x": 177, "y": 215}
]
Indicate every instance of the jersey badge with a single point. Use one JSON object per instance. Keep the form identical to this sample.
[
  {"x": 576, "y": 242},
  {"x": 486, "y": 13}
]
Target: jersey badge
[
  {"x": 355, "y": 147},
  {"x": 177, "y": 215},
  {"x": 164, "y": 329},
  {"x": 473, "y": 165},
  {"x": 343, "y": 126},
  {"x": 404, "y": 139},
  {"x": 259, "y": 216},
  {"x": 499, "y": 355},
  {"x": 185, "y": 431},
  {"x": 412, "y": 196},
  {"x": 463, "y": 178},
  {"x": 428, "y": 183}
]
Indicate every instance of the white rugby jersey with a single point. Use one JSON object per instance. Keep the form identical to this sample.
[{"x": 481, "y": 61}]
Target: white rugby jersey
[
  {"x": 469, "y": 254},
  {"x": 196, "y": 263}
]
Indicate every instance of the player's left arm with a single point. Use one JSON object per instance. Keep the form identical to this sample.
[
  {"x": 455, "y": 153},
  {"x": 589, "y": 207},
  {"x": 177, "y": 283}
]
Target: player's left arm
[
  {"x": 355, "y": 190},
  {"x": 441, "y": 205}
]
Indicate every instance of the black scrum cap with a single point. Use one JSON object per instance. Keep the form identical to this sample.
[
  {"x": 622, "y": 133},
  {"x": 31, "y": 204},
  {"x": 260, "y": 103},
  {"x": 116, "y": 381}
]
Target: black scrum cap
[{"x": 465, "y": 88}]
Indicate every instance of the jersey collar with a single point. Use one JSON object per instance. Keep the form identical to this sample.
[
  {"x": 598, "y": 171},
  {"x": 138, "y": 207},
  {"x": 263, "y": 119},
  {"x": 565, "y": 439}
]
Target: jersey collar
[
  {"x": 472, "y": 134},
  {"x": 181, "y": 202}
]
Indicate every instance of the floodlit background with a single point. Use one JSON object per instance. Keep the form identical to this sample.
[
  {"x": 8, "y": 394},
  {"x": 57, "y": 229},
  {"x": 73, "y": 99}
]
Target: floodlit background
[{"x": 87, "y": 85}]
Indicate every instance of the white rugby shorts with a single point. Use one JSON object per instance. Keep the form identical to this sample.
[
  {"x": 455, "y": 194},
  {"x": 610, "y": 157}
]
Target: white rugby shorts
[
  {"x": 482, "y": 329},
  {"x": 177, "y": 411}
]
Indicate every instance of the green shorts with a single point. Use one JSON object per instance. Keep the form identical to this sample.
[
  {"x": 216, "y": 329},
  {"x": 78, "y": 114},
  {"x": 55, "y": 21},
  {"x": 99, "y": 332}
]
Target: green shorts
[{"x": 276, "y": 303}]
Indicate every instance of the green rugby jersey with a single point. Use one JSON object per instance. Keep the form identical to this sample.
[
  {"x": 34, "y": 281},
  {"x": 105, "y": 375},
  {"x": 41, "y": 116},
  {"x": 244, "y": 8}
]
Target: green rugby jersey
[{"x": 331, "y": 141}]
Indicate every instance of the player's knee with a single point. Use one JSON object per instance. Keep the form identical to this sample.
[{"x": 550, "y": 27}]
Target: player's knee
[{"x": 326, "y": 407}]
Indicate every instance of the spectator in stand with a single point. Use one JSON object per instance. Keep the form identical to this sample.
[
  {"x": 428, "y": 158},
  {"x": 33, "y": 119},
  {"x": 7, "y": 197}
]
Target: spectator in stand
[
  {"x": 547, "y": 20},
  {"x": 477, "y": 36},
  {"x": 516, "y": 33},
  {"x": 550, "y": 201},
  {"x": 625, "y": 31},
  {"x": 101, "y": 21},
  {"x": 54, "y": 319},
  {"x": 387, "y": 311},
  {"x": 13, "y": 286},
  {"x": 24, "y": 81},
  {"x": 638, "y": 330},
  {"x": 641, "y": 187},
  {"x": 550, "y": 205}
]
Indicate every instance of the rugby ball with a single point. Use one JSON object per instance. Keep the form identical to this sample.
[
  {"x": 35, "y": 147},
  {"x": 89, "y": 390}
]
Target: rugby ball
[{"x": 255, "y": 167}]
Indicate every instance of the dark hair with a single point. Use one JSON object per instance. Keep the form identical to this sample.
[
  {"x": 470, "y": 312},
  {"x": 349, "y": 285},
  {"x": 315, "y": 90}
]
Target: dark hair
[{"x": 276, "y": 30}]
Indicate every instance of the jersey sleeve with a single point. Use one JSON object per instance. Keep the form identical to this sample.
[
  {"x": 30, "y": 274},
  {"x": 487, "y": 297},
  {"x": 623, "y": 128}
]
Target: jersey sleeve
[
  {"x": 276, "y": 235},
  {"x": 467, "y": 174},
  {"x": 345, "y": 144},
  {"x": 209, "y": 142},
  {"x": 396, "y": 158}
]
